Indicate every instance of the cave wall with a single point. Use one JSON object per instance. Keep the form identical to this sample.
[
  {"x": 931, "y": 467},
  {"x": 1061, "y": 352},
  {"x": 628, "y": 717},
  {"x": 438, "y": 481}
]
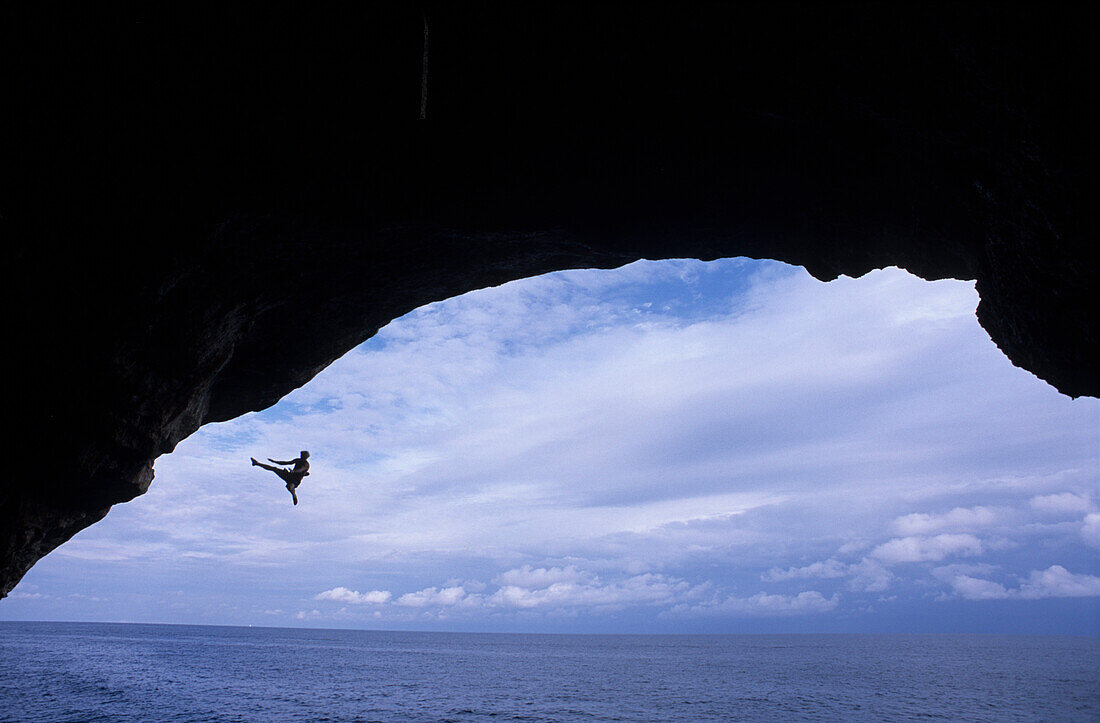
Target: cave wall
[{"x": 206, "y": 208}]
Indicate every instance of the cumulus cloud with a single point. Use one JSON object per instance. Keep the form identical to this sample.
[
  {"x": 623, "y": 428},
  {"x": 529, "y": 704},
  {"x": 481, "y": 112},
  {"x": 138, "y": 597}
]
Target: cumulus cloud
[
  {"x": 647, "y": 589},
  {"x": 527, "y": 588},
  {"x": 528, "y": 577},
  {"x": 762, "y": 604},
  {"x": 830, "y": 568},
  {"x": 1090, "y": 529},
  {"x": 1066, "y": 503},
  {"x": 344, "y": 595},
  {"x": 973, "y": 588},
  {"x": 925, "y": 549},
  {"x": 1055, "y": 581},
  {"x": 959, "y": 519},
  {"x": 870, "y": 575},
  {"x": 810, "y": 601},
  {"x": 443, "y": 597}
]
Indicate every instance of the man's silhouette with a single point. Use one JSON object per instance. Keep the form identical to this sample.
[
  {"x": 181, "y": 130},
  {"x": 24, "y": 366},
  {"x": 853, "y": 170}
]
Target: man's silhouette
[{"x": 292, "y": 477}]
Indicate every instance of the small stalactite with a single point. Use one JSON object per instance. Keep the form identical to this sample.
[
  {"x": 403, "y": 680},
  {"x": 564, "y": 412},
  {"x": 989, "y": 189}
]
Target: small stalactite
[{"x": 424, "y": 68}]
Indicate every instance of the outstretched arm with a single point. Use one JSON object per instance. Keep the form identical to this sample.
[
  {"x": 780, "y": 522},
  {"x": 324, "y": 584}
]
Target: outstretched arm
[{"x": 278, "y": 462}]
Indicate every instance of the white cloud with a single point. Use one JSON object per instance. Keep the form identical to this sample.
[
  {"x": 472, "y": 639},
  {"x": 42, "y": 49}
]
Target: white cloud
[
  {"x": 959, "y": 519},
  {"x": 853, "y": 546},
  {"x": 344, "y": 595},
  {"x": 973, "y": 588},
  {"x": 1054, "y": 582},
  {"x": 804, "y": 602},
  {"x": 763, "y": 604},
  {"x": 925, "y": 549},
  {"x": 870, "y": 576},
  {"x": 529, "y": 577},
  {"x": 648, "y": 589},
  {"x": 432, "y": 596},
  {"x": 824, "y": 569},
  {"x": 1066, "y": 503},
  {"x": 554, "y": 589},
  {"x": 1090, "y": 529}
]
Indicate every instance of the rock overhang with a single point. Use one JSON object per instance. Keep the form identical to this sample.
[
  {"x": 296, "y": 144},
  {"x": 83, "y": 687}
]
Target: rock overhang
[{"x": 189, "y": 189}]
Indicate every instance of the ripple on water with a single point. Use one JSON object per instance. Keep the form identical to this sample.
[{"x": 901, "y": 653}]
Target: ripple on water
[{"x": 69, "y": 672}]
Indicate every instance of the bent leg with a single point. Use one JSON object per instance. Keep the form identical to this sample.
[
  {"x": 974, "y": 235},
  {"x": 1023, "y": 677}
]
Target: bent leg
[{"x": 292, "y": 480}]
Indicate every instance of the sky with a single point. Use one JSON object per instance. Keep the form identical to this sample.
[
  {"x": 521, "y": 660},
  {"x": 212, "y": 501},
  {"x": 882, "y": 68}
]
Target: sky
[{"x": 669, "y": 447}]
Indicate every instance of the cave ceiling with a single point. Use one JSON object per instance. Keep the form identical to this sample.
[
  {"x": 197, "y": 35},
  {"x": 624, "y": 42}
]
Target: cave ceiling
[{"x": 204, "y": 208}]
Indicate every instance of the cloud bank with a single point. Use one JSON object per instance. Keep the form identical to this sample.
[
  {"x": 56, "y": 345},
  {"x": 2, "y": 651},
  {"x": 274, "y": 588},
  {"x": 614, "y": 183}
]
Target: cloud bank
[{"x": 665, "y": 445}]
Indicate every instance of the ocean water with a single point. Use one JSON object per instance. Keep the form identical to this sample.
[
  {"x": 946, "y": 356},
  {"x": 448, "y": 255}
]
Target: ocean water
[{"x": 106, "y": 672}]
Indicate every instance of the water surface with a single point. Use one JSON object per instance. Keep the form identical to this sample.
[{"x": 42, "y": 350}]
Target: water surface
[{"x": 113, "y": 672}]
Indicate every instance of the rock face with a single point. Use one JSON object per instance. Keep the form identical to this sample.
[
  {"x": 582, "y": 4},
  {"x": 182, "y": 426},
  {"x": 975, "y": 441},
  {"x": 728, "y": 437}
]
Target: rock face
[{"x": 205, "y": 210}]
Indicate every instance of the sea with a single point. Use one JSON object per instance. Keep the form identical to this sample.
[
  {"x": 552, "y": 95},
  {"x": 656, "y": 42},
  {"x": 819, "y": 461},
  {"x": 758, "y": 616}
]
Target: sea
[{"x": 131, "y": 672}]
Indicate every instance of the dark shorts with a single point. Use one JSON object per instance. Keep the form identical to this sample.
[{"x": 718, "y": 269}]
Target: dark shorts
[{"x": 292, "y": 479}]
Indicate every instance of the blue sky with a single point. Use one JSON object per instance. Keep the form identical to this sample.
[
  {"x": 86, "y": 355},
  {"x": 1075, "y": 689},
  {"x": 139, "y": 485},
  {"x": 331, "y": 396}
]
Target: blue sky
[{"x": 673, "y": 446}]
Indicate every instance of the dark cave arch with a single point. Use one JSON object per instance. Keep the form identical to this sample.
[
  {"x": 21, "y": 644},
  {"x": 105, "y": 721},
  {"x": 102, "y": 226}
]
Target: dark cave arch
[{"x": 189, "y": 190}]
